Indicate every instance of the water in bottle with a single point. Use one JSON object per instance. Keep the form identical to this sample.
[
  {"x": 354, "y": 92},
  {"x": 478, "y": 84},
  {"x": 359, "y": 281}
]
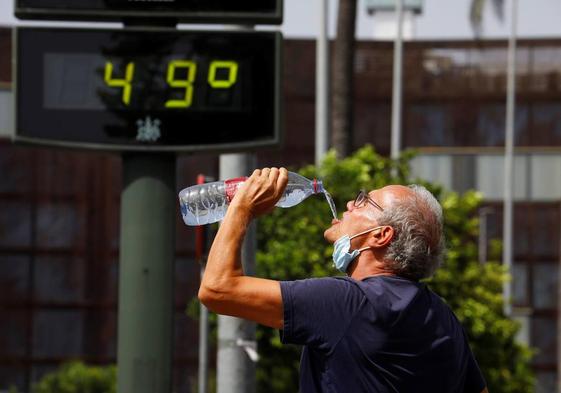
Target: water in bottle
[{"x": 207, "y": 203}]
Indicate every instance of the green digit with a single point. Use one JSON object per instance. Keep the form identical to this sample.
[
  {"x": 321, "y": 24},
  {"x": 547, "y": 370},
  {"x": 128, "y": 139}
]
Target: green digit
[
  {"x": 187, "y": 84},
  {"x": 232, "y": 67},
  {"x": 124, "y": 83}
]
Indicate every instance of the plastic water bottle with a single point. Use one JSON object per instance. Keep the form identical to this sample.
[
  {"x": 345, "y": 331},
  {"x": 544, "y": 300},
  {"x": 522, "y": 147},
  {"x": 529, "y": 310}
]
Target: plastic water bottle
[{"x": 207, "y": 203}]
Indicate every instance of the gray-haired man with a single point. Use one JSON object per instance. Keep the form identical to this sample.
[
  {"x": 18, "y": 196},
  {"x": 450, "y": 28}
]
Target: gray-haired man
[{"x": 378, "y": 329}]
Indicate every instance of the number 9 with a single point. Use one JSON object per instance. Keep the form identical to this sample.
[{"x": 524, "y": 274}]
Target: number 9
[{"x": 191, "y": 67}]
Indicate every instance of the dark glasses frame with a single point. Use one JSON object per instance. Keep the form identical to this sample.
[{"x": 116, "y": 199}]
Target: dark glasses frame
[{"x": 363, "y": 197}]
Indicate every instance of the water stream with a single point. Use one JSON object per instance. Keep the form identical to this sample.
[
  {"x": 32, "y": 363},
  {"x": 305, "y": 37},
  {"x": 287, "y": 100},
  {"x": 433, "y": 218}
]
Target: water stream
[{"x": 331, "y": 203}]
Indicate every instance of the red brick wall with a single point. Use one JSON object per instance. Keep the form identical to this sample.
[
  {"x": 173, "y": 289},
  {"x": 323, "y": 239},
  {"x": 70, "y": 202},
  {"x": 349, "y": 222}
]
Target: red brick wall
[{"x": 5, "y": 55}]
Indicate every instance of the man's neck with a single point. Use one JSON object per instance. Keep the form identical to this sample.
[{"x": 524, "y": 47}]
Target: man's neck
[{"x": 365, "y": 266}]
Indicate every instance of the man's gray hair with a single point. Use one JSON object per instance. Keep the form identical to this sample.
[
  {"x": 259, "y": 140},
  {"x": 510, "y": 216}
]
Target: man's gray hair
[{"x": 418, "y": 245}]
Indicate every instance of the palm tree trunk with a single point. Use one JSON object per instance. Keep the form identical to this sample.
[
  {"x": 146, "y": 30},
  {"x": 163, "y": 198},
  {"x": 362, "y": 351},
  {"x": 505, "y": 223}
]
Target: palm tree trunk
[{"x": 343, "y": 69}]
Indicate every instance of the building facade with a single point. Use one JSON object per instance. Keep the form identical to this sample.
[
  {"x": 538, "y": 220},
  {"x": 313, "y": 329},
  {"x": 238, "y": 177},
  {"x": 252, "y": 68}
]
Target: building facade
[{"x": 59, "y": 209}]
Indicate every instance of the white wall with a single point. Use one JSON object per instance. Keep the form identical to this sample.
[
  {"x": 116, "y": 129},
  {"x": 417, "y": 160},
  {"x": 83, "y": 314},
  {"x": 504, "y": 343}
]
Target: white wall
[
  {"x": 441, "y": 19},
  {"x": 6, "y": 113},
  {"x": 537, "y": 176}
]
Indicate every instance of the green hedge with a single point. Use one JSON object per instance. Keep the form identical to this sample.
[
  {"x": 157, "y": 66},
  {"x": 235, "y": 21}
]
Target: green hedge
[{"x": 76, "y": 377}]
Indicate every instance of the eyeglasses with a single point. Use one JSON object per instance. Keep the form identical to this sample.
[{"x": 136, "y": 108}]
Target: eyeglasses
[{"x": 363, "y": 197}]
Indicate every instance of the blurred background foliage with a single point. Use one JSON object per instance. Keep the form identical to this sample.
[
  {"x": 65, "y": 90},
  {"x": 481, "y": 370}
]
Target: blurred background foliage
[{"x": 76, "y": 377}]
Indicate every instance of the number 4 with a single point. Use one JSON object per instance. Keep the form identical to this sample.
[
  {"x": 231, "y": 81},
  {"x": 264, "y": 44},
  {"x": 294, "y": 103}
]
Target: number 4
[{"x": 124, "y": 83}]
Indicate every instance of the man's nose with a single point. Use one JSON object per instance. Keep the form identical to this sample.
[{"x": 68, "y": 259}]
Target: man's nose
[{"x": 350, "y": 205}]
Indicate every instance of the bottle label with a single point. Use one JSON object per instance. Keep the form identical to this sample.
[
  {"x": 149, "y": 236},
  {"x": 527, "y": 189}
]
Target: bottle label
[{"x": 232, "y": 185}]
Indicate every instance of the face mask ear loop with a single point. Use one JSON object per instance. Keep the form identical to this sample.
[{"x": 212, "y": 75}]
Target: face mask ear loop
[{"x": 363, "y": 232}]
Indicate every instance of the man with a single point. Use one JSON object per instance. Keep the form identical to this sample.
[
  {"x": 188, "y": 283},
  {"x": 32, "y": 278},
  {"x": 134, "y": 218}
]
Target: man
[{"x": 377, "y": 330}]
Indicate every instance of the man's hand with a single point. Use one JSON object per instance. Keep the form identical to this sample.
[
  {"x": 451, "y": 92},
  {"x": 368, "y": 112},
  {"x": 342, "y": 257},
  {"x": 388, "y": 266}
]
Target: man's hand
[{"x": 261, "y": 191}]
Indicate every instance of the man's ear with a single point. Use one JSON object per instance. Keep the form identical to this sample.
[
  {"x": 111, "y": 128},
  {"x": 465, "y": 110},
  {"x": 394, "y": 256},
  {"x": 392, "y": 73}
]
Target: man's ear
[{"x": 381, "y": 237}]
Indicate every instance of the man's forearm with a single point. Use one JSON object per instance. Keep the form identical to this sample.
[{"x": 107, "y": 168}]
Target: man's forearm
[{"x": 224, "y": 259}]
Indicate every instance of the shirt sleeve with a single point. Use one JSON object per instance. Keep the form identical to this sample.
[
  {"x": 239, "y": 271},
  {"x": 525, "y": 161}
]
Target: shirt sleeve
[
  {"x": 475, "y": 382},
  {"x": 318, "y": 311}
]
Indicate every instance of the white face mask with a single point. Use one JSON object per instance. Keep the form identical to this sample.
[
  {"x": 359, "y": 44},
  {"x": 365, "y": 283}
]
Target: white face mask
[{"x": 341, "y": 255}]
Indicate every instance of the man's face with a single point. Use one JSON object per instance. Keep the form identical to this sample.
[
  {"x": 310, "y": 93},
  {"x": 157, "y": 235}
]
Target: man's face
[
  {"x": 365, "y": 216},
  {"x": 358, "y": 218}
]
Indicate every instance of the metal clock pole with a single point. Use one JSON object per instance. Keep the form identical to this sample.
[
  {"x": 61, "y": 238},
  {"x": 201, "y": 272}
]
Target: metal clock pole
[
  {"x": 145, "y": 320},
  {"x": 397, "y": 82},
  {"x": 510, "y": 123},
  {"x": 322, "y": 84},
  {"x": 146, "y": 267},
  {"x": 237, "y": 349},
  {"x": 237, "y": 346}
]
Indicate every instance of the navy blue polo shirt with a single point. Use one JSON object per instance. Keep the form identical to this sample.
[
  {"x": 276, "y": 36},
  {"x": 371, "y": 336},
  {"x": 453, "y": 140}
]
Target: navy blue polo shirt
[{"x": 381, "y": 334}]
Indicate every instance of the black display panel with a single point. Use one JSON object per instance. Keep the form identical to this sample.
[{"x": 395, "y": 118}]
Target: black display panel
[
  {"x": 189, "y": 11},
  {"x": 137, "y": 90}
]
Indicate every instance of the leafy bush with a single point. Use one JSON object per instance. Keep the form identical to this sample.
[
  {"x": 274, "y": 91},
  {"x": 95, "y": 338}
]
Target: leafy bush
[
  {"x": 291, "y": 246},
  {"x": 76, "y": 377}
]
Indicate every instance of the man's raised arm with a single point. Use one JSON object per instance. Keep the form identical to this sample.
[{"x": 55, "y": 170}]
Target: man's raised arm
[{"x": 224, "y": 288}]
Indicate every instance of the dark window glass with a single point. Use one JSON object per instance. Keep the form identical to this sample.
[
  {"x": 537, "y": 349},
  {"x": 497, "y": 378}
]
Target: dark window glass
[
  {"x": 15, "y": 224},
  {"x": 520, "y": 294},
  {"x": 60, "y": 225},
  {"x": 60, "y": 280},
  {"x": 185, "y": 378},
  {"x": 12, "y": 376},
  {"x": 545, "y": 123},
  {"x": 521, "y": 238},
  {"x": 48, "y": 340},
  {"x": 100, "y": 333},
  {"x": 543, "y": 338},
  {"x": 39, "y": 370},
  {"x": 15, "y": 177},
  {"x": 14, "y": 278},
  {"x": 186, "y": 342},
  {"x": 187, "y": 272},
  {"x": 546, "y": 231},
  {"x": 545, "y": 277},
  {"x": 545, "y": 381},
  {"x": 13, "y": 333}
]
